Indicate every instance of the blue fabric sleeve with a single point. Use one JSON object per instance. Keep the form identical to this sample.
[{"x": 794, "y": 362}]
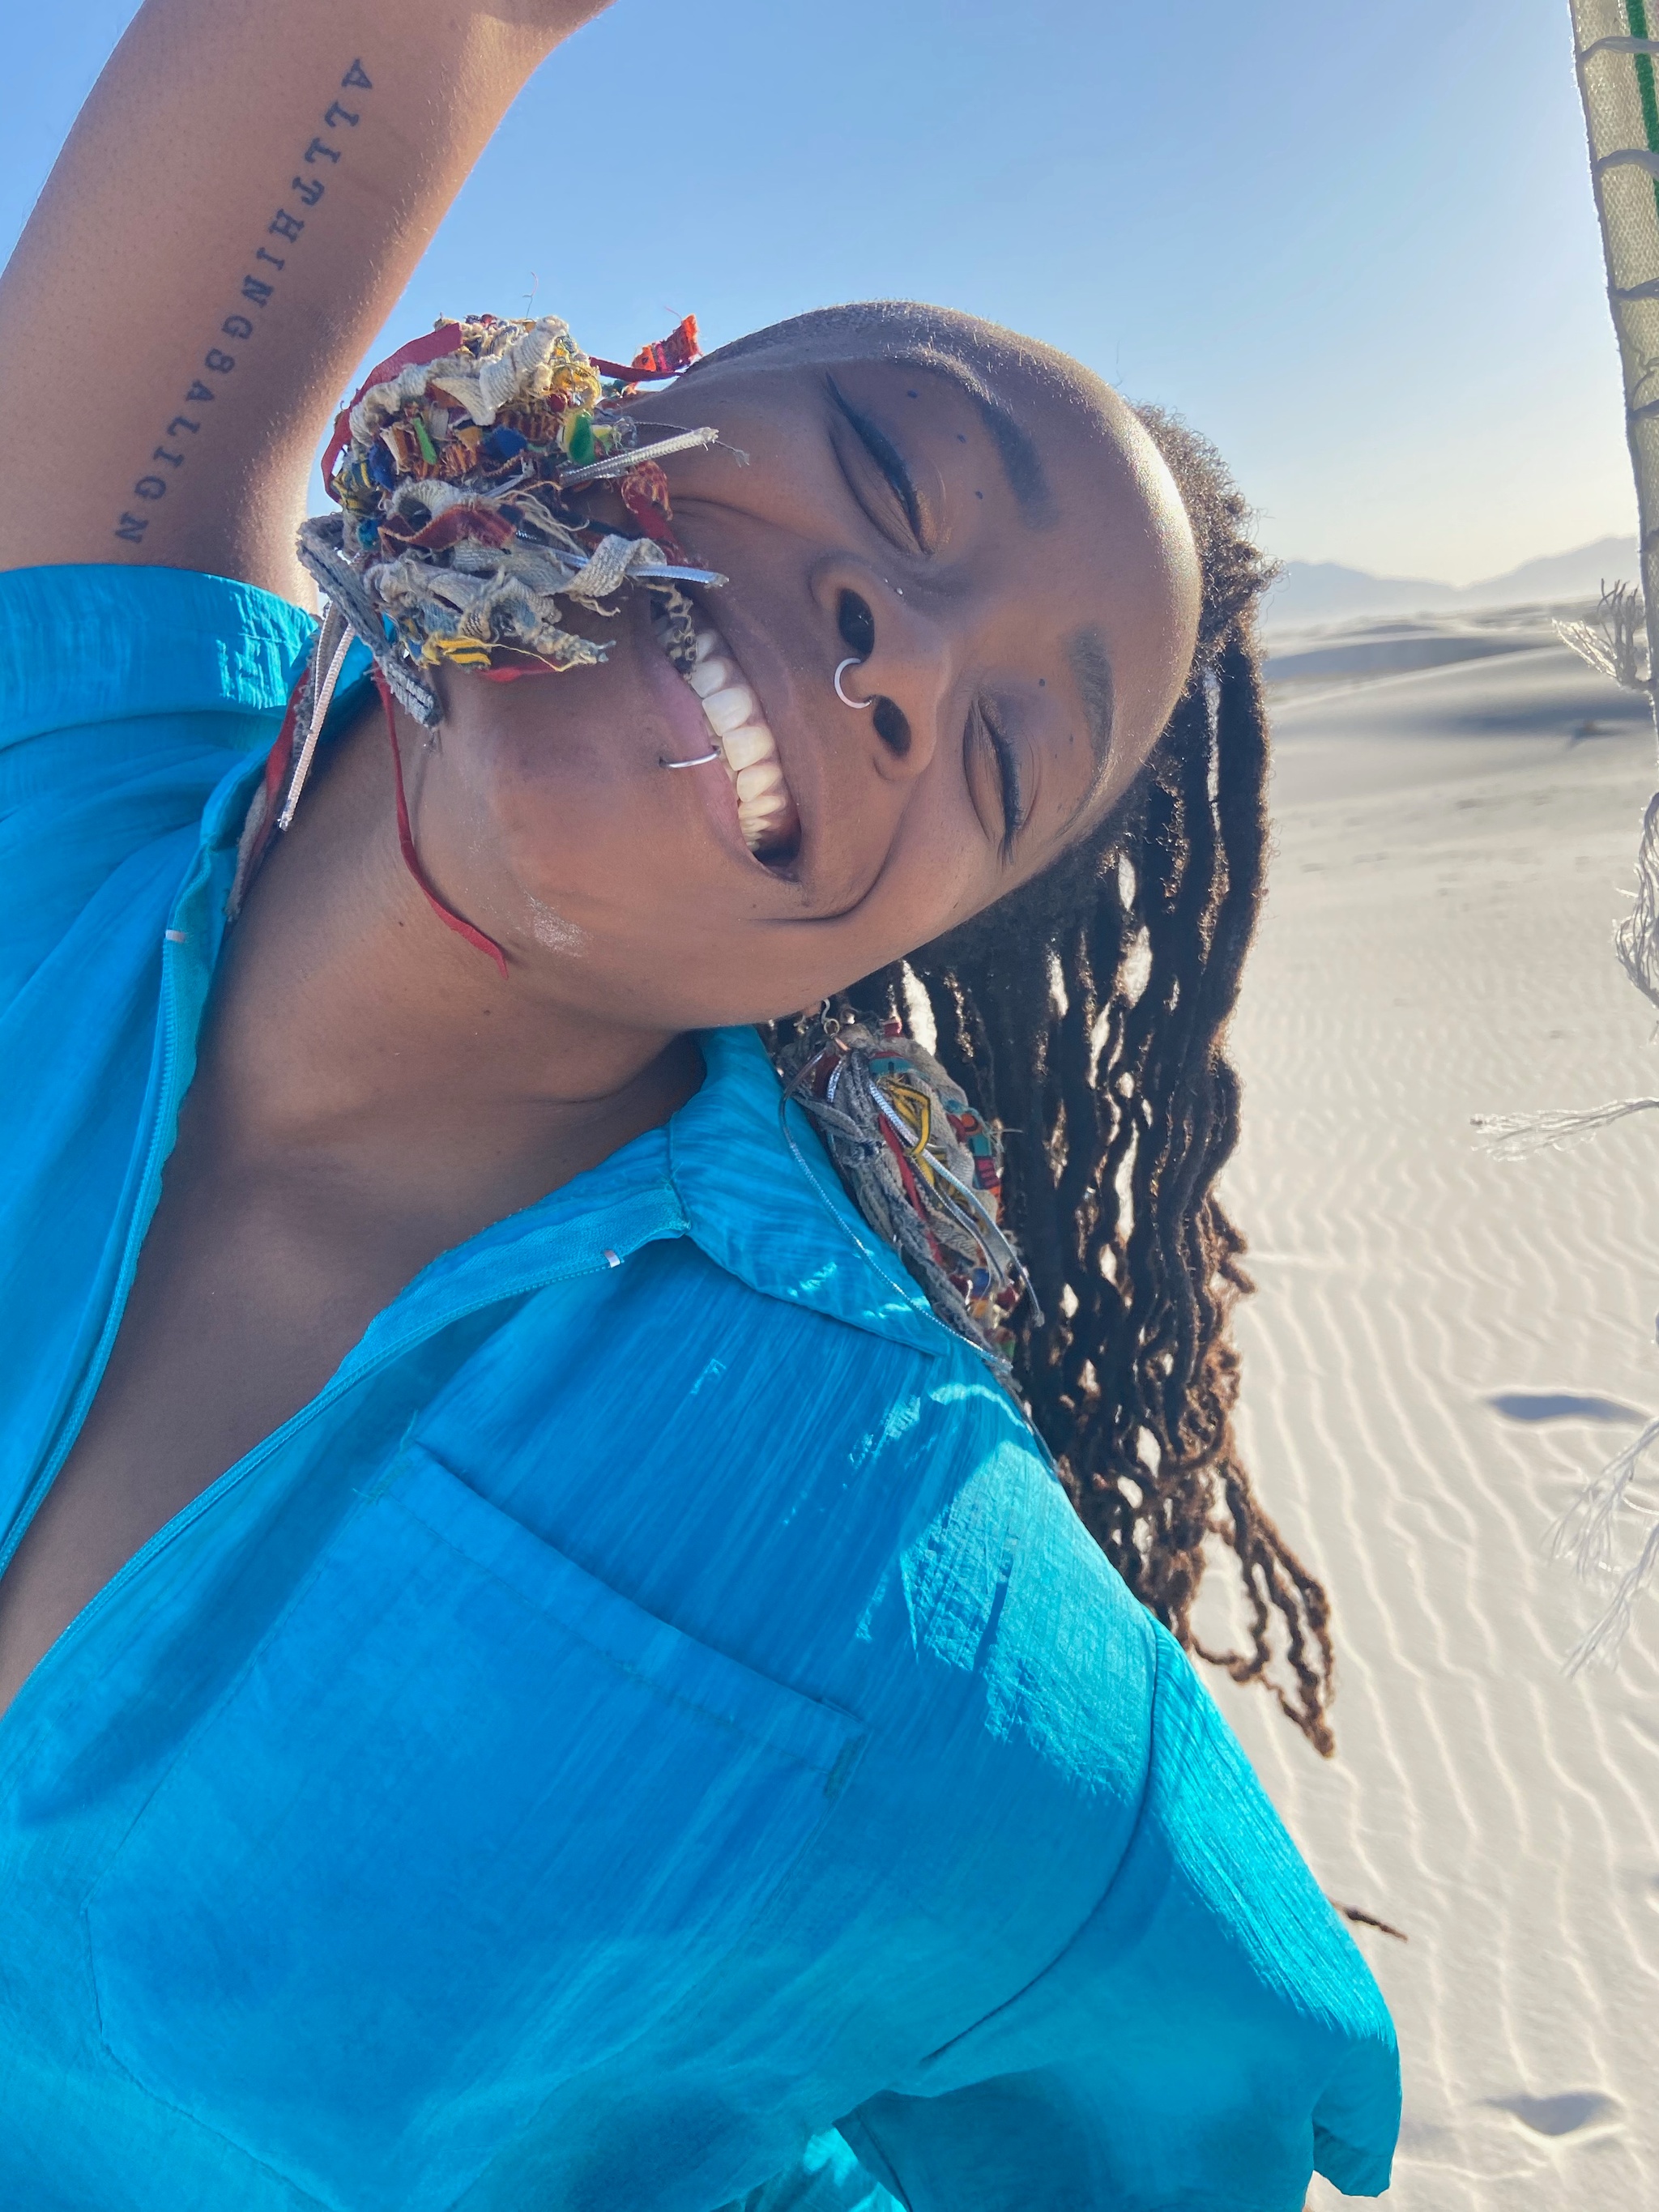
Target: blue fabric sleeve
[
  {"x": 126, "y": 695},
  {"x": 106, "y": 644},
  {"x": 1209, "y": 2036}
]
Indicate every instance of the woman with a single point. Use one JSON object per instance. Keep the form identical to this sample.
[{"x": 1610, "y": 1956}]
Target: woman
[{"x": 541, "y": 1670}]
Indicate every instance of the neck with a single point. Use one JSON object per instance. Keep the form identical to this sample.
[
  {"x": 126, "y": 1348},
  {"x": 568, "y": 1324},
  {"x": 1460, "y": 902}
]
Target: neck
[{"x": 350, "y": 1028}]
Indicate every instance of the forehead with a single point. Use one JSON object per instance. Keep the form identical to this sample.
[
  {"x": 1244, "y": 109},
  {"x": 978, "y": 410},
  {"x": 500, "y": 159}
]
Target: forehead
[
  {"x": 1027, "y": 397},
  {"x": 1071, "y": 453}
]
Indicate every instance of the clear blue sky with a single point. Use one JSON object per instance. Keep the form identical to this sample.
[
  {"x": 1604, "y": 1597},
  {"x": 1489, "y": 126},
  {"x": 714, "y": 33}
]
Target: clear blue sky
[{"x": 1353, "y": 245}]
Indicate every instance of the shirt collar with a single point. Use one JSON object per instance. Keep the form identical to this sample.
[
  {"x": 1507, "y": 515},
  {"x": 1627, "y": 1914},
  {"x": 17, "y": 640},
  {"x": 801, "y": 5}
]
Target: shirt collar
[{"x": 764, "y": 1202}]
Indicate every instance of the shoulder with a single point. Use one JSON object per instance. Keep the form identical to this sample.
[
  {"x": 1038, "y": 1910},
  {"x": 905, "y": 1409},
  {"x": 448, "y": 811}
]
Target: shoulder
[
  {"x": 102, "y": 643},
  {"x": 126, "y": 696},
  {"x": 1000, "y": 1579}
]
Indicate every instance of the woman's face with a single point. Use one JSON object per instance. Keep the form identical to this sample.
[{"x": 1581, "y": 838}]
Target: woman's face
[{"x": 1003, "y": 551}]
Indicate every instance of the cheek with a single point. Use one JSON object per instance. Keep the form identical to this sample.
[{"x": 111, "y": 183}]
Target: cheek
[
  {"x": 942, "y": 869},
  {"x": 542, "y": 802},
  {"x": 561, "y": 838}
]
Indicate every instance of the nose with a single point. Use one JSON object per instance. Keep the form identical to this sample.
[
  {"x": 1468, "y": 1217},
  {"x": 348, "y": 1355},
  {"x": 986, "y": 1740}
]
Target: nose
[{"x": 901, "y": 667}]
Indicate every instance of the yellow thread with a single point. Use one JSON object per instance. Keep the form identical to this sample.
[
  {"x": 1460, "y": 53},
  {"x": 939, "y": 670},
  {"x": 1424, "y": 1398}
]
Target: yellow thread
[{"x": 463, "y": 652}]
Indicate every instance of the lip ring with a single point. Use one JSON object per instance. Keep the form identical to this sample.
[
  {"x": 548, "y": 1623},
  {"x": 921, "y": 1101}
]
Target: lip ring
[
  {"x": 857, "y": 705},
  {"x": 702, "y": 761}
]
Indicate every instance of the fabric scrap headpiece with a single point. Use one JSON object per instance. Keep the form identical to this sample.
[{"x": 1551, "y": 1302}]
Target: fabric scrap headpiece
[{"x": 454, "y": 540}]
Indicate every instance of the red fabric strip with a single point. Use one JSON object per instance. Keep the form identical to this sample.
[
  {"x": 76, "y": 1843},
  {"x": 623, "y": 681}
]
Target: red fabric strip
[
  {"x": 651, "y": 363},
  {"x": 644, "y": 492},
  {"x": 415, "y": 355},
  {"x": 279, "y": 765},
  {"x": 671, "y": 355},
  {"x": 487, "y": 526},
  {"x": 280, "y": 759},
  {"x": 630, "y": 374},
  {"x": 449, "y": 918}
]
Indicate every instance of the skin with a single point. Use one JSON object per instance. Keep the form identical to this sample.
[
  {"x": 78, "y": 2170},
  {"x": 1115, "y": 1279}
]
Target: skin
[{"x": 369, "y": 1090}]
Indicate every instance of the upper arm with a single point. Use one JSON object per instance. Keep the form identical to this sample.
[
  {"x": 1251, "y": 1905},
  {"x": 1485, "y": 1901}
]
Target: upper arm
[
  {"x": 234, "y": 215},
  {"x": 1209, "y": 2036}
]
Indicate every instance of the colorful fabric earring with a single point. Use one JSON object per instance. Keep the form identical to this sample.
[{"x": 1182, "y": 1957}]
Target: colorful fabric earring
[
  {"x": 455, "y": 540},
  {"x": 923, "y": 1168}
]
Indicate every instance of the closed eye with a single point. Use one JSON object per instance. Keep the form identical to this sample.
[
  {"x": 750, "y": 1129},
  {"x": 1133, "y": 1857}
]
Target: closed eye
[
  {"x": 981, "y": 723},
  {"x": 885, "y": 455}
]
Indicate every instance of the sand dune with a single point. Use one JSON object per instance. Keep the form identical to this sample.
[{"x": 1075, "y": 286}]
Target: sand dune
[{"x": 1440, "y": 1349}]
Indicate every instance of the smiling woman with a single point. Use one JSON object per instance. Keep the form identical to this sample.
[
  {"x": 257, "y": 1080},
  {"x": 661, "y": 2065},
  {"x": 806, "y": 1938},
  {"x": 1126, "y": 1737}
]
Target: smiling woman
[{"x": 552, "y": 1652}]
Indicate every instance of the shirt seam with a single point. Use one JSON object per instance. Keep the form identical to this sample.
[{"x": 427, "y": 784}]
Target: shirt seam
[{"x": 1142, "y": 1802}]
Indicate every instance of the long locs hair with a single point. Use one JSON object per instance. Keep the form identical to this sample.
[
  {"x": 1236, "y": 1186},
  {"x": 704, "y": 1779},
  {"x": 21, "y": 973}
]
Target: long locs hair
[{"x": 1087, "y": 1014}]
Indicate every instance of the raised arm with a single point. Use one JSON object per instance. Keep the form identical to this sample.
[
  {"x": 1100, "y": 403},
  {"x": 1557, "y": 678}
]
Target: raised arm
[{"x": 236, "y": 210}]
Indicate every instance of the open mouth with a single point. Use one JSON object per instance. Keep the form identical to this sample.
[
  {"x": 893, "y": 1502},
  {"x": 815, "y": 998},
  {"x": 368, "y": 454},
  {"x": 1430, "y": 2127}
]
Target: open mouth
[{"x": 767, "y": 814}]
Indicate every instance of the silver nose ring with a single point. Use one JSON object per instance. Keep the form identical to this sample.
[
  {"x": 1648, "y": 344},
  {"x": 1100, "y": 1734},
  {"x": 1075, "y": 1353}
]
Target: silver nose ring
[{"x": 858, "y": 705}]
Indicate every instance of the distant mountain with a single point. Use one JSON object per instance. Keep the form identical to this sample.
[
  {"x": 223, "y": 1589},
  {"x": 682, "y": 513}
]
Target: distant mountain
[
  {"x": 1559, "y": 575},
  {"x": 1323, "y": 591},
  {"x": 1312, "y": 591}
]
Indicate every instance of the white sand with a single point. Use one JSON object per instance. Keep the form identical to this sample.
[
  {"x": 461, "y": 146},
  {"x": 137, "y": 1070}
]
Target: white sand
[{"x": 1448, "y": 864}]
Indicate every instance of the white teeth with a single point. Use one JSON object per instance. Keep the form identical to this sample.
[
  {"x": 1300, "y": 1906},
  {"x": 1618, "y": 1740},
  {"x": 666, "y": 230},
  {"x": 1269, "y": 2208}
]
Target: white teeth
[
  {"x": 765, "y": 813},
  {"x": 731, "y": 708},
  {"x": 710, "y": 676},
  {"x": 743, "y": 747},
  {"x": 758, "y": 782}
]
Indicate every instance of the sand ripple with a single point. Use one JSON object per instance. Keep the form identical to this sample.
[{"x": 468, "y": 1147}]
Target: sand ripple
[{"x": 1442, "y": 1349}]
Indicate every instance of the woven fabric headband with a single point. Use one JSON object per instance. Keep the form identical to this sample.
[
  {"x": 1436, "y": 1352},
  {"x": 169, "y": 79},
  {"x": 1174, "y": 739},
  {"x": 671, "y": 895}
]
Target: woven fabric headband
[{"x": 453, "y": 541}]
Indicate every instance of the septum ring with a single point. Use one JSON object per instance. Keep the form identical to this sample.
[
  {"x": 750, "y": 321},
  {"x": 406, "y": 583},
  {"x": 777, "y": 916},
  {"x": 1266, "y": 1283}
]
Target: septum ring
[{"x": 858, "y": 705}]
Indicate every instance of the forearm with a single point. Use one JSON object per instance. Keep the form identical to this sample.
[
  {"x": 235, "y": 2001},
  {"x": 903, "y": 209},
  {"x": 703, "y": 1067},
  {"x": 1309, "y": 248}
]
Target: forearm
[{"x": 240, "y": 203}]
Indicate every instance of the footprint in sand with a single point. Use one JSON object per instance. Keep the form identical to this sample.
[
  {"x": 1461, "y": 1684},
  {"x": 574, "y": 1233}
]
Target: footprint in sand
[
  {"x": 1565, "y": 2114},
  {"x": 1562, "y": 1406}
]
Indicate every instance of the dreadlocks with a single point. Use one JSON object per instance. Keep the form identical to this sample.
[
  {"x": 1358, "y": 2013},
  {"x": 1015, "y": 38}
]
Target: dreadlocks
[{"x": 1086, "y": 1013}]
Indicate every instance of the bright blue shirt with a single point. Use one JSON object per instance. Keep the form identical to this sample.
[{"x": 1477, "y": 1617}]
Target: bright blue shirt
[{"x": 651, "y": 1732}]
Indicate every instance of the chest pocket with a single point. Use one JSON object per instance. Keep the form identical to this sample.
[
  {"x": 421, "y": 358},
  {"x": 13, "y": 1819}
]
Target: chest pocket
[{"x": 466, "y": 1823}]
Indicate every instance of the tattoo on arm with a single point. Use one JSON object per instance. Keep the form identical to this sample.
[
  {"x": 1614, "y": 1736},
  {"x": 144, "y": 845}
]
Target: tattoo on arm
[{"x": 172, "y": 453}]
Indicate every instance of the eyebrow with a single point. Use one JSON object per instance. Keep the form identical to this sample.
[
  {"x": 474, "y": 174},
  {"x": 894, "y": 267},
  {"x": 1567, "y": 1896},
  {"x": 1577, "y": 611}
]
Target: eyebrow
[
  {"x": 1091, "y": 669},
  {"x": 1017, "y": 449}
]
